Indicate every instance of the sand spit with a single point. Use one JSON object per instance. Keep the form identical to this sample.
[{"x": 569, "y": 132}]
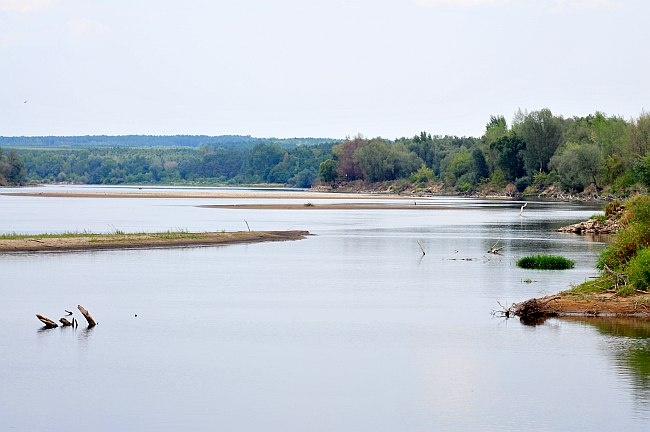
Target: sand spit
[{"x": 71, "y": 242}]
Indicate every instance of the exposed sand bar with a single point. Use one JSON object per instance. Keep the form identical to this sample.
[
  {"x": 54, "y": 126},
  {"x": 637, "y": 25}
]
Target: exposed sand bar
[
  {"x": 261, "y": 194},
  {"x": 73, "y": 242},
  {"x": 330, "y": 206}
]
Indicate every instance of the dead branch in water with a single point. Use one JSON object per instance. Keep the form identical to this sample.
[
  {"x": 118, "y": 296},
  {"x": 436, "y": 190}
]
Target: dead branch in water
[
  {"x": 421, "y": 248},
  {"x": 65, "y": 322},
  {"x": 48, "y": 322},
  {"x": 86, "y": 314},
  {"x": 495, "y": 250}
]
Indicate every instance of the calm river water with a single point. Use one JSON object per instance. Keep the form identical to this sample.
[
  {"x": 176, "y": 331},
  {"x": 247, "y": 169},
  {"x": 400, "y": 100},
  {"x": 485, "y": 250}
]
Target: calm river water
[{"x": 351, "y": 329}]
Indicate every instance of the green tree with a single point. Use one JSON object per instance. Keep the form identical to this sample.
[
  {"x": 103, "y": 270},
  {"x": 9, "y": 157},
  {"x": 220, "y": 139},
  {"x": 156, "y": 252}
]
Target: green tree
[
  {"x": 577, "y": 165},
  {"x": 327, "y": 171},
  {"x": 495, "y": 129},
  {"x": 480, "y": 165},
  {"x": 510, "y": 156},
  {"x": 542, "y": 133},
  {"x": 12, "y": 169}
]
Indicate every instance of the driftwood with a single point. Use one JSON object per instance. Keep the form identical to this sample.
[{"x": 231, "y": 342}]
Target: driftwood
[
  {"x": 48, "y": 322},
  {"x": 64, "y": 322},
  {"x": 86, "y": 314},
  {"x": 495, "y": 250}
]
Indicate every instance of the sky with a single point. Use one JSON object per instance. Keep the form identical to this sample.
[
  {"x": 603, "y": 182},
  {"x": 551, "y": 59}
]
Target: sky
[{"x": 314, "y": 68}]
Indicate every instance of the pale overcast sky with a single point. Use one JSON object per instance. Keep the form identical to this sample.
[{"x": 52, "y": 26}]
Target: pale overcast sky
[{"x": 323, "y": 68}]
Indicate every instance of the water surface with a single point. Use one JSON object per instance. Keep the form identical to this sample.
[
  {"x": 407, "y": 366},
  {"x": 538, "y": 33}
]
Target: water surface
[{"x": 351, "y": 329}]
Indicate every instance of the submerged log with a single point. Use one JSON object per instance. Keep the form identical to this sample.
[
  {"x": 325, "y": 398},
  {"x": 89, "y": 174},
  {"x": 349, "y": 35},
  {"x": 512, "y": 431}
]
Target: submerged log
[
  {"x": 64, "y": 322},
  {"x": 86, "y": 314},
  {"x": 48, "y": 322}
]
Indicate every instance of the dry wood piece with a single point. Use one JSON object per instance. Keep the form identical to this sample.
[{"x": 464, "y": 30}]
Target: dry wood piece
[
  {"x": 495, "y": 250},
  {"x": 64, "y": 322},
  {"x": 86, "y": 314},
  {"x": 48, "y": 322}
]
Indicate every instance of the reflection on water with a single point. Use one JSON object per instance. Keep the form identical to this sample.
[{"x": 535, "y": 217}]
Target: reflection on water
[{"x": 629, "y": 347}]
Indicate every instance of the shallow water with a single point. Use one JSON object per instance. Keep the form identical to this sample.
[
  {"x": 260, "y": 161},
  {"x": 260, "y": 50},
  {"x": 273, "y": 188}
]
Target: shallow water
[{"x": 351, "y": 329}]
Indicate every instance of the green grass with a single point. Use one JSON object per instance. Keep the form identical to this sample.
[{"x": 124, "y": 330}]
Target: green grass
[
  {"x": 545, "y": 262},
  {"x": 20, "y": 236},
  {"x": 171, "y": 234}
]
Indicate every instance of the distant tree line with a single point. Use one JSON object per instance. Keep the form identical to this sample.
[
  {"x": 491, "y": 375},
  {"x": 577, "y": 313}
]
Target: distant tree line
[
  {"x": 208, "y": 164},
  {"x": 538, "y": 150}
]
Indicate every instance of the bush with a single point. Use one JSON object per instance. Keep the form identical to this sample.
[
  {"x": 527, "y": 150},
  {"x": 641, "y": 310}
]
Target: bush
[
  {"x": 545, "y": 262},
  {"x": 522, "y": 183},
  {"x": 638, "y": 271},
  {"x": 616, "y": 255}
]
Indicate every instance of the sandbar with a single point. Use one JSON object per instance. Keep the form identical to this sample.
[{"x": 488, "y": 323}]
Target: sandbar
[{"x": 72, "y": 242}]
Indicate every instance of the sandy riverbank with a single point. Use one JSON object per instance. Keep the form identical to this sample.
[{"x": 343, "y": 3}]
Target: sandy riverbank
[
  {"x": 142, "y": 240},
  {"x": 568, "y": 303},
  {"x": 152, "y": 193}
]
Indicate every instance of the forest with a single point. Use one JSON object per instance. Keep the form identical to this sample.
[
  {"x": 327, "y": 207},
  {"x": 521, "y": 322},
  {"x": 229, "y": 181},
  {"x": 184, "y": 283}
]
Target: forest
[{"x": 538, "y": 151}]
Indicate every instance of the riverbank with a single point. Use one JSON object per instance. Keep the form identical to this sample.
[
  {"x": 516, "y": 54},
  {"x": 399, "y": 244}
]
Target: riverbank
[
  {"x": 622, "y": 288},
  {"x": 83, "y": 241},
  {"x": 568, "y": 303}
]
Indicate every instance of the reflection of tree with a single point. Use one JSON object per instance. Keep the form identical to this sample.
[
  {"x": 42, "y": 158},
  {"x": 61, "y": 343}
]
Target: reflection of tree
[{"x": 631, "y": 348}]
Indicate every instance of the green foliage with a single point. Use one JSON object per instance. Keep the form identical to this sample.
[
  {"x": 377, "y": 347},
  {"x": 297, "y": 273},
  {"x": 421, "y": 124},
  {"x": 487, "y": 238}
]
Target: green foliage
[
  {"x": 638, "y": 271},
  {"x": 616, "y": 255},
  {"x": 609, "y": 152},
  {"x": 327, "y": 171},
  {"x": 12, "y": 169},
  {"x": 578, "y": 165},
  {"x": 423, "y": 175},
  {"x": 545, "y": 262},
  {"x": 598, "y": 217},
  {"x": 638, "y": 210},
  {"x": 510, "y": 156},
  {"x": 480, "y": 166},
  {"x": 542, "y": 133}
]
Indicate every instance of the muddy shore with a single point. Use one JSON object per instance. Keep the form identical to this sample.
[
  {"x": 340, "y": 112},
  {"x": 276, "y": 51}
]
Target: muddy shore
[
  {"x": 568, "y": 303},
  {"x": 142, "y": 240}
]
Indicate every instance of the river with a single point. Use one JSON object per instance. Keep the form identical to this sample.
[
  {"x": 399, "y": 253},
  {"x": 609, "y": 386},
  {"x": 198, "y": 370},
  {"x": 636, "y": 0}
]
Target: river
[{"x": 350, "y": 329}]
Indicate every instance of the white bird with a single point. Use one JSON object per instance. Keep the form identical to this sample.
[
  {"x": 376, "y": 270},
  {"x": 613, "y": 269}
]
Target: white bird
[{"x": 521, "y": 210}]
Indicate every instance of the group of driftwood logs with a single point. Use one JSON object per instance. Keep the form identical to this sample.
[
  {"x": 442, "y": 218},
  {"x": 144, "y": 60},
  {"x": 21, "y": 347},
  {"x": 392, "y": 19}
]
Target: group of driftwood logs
[{"x": 65, "y": 322}]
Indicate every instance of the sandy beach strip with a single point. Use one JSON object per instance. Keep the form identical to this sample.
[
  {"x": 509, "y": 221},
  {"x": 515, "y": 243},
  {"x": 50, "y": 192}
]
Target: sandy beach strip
[
  {"x": 328, "y": 206},
  {"x": 80, "y": 242},
  {"x": 148, "y": 193}
]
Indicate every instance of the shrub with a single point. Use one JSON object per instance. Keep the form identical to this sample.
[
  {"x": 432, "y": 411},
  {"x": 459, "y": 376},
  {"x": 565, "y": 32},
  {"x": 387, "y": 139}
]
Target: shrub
[
  {"x": 638, "y": 209},
  {"x": 628, "y": 242},
  {"x": 545, "y": 262},
  {"x": 612, "y": 207},
  {"x": 638, "y": 271}
]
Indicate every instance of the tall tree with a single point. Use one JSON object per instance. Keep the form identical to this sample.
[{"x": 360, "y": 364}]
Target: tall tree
[
  {"x": 510, "y": 156},
  {"x": 542, "y": 133}
]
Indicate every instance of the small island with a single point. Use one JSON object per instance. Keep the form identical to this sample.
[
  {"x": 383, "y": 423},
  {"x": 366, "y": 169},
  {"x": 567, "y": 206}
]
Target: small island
[{"x": 121, "y": 240}]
